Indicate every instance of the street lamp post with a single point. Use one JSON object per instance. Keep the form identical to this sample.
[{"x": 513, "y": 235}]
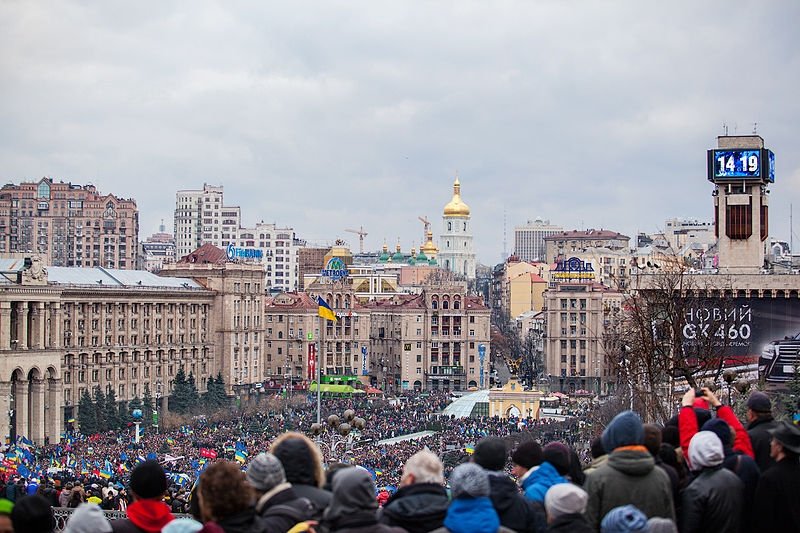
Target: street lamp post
[
  {"x": 729, "y": 376},
  {"x": 339, "y": 433},
  {"x": 158, "y": 404}
]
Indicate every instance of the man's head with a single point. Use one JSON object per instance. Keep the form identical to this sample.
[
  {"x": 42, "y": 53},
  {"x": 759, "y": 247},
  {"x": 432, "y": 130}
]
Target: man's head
[
  {"x": 721, "y": 429},
  {"x": 558, "y": 455},
  {"x": 148, "y": 481},
  {"x": 468, "y": 480},
  {"x": 491, "y": 453},
  {"x": 758, "y": 406},
  {"x": 526, "y": 456},
  {"x": 785, "y": 442},
  {"x": 423, "y": 467},
  {"x": 652, "y": 438},
  {"x": 223, "y": 491},
  {"x": 625, "y": 429},
  {"x": 596, "y": 448},
  {"x": 33, "y": 514},
  {"x": 6, "y": 506}
]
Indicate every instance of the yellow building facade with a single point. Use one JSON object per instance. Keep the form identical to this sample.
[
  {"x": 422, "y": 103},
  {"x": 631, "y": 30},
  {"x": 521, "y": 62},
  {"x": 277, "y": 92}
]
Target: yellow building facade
[{"x": 512, "y": 400}]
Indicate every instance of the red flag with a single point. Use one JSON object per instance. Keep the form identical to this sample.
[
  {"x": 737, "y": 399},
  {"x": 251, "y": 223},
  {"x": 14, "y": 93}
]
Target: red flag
[{"x": 208, "y": 454}]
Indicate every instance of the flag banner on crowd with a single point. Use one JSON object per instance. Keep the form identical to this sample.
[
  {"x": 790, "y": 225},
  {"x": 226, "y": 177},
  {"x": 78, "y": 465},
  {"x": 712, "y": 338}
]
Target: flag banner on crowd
[
  {"x": 325, "y": 310},
  {"x": 207, "y": 453}
]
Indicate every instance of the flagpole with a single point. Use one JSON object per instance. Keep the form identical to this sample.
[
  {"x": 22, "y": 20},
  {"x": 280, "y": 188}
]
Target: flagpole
[{"x": 320, "y": 344}]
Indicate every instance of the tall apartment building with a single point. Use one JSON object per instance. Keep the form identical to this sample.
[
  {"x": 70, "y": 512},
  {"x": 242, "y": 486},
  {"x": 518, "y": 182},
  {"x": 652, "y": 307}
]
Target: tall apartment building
[
  {"x": 201, "y": 217},
  {"x": 69, "y": 225},
  {"x": 529, "y": 239},
  {"x": 577, "y": 314}
]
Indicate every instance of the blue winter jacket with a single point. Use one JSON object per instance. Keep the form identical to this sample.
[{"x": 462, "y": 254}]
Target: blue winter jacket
[{"x": 535, "y": 485}]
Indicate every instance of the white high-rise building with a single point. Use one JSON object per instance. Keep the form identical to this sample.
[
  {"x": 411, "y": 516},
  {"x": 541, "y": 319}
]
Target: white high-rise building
[
  {"x": 280, "y": 254},
  {"x": 201, "y": 217},
  {"x": 455, "y": 243},
  {"x": 529, "y": 239}
]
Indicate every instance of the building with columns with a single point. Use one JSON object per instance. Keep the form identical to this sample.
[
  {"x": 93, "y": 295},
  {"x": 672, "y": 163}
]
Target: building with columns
[{"x": 455, "y": 242}]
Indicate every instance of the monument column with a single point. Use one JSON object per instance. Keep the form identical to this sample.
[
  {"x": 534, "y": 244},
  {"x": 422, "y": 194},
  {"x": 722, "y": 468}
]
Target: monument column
[
  {"x": 54, "y": 410},
  {"x": 56, "y": 321},
  {"x": 37, "y": 326}
]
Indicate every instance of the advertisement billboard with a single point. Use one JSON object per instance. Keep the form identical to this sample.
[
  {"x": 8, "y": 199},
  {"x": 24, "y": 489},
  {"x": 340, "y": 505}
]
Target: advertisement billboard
[{"x": 746, "y": 330}]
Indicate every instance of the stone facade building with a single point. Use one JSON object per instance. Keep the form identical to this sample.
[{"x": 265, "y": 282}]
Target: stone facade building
[{"x": 68, "y": 225}]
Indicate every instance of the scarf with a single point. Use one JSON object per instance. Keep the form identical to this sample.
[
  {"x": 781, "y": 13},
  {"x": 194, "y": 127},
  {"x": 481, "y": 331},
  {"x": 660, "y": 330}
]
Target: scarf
[
  {"x": 149, "y": 515},
  {"x": 472, "y": 515}
]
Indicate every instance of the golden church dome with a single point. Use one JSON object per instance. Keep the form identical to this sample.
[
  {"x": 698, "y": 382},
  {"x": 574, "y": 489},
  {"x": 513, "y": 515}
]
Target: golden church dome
[
  {"x": 456, "y": 207},
  {"x": 429, "y": 249}
]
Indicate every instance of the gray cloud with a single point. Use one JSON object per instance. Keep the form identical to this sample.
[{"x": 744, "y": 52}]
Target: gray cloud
[{"x": 326, "y": 116}]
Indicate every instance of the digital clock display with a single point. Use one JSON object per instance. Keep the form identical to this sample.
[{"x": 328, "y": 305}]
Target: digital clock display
[{"x": 737, "y": 163}]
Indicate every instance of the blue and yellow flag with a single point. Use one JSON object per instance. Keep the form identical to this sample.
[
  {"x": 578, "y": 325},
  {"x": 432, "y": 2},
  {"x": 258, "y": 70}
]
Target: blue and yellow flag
[{"x": 325, "y": 310}]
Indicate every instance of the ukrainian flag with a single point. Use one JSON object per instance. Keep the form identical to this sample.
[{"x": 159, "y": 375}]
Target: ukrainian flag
[{"x": 325, "y": 310}]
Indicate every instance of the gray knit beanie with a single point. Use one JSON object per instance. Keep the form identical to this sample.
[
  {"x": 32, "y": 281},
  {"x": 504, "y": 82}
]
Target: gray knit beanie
[
  {"x": 469, "y": 480},
  {"x": 88, "y": 518},
  {"x": 265, "y": 472}
]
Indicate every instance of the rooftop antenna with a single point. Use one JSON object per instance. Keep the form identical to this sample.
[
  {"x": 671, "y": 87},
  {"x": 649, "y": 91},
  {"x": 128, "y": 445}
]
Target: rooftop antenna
[
  {"x": 725, "y": 128},
  {"x": 755, "y": 128}
]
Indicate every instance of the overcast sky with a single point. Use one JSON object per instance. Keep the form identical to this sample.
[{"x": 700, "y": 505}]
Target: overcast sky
[{"x": 331, "y": 115}]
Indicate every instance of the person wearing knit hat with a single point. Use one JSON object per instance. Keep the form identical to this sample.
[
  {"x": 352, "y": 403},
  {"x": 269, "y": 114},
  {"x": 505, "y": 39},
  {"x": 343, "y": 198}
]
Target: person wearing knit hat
[
  {"x": 759, "y": 424},
  {"x": 33, "y": 514},
  {"x": 471, "y": 510},
  {"x": 515, "y": 511},
  {"x": 276, "y": 501},
  {"x": 629, "y": 476},
  {"x": 148, "y": 512},
  {"x": 6, "y": 506},
  {"x": 88, "y": 518},
  {"x": 713, "y": 500},
  {"x": 624, "y": 519},
  {"x": 661, "y": 525},
  {"x": 550, "y": 472},
  {"x": 777, "y": 501},
  {"x": 565, "y": 504},
  {"x": 183, "y": 525}
]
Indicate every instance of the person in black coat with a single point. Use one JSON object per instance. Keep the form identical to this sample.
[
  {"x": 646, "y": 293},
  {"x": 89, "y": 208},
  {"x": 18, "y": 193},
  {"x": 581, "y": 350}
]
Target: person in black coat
[
  {"x": 276, "y": 501},
  {"x": 514, "y": 510},
  {"x": 420, "y": 505},
  {"x": 565, "y": 504},
  {"x": 760, "y": 423},
  {"x": 302, "y": 463},
  {"x": 777, "y": 502},
  {"x": 713, "y": 500}
]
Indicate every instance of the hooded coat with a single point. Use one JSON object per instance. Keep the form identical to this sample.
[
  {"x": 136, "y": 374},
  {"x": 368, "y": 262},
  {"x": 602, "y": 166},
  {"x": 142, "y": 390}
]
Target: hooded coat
[
  {"x": 514, "y": 510},
  {"x": 545, "y": 476},
  {"x": 353, "y": 507},
  {"x": 628, "y": 477},
  {"x": 713, "y": 501},
  {"x": 417, "y": 508},
  {"x": 144, "y": 516}
]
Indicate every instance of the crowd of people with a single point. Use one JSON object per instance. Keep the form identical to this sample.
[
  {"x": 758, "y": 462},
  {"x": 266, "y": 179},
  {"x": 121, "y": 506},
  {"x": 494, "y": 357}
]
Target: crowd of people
[{"x": 702, "y": 471}]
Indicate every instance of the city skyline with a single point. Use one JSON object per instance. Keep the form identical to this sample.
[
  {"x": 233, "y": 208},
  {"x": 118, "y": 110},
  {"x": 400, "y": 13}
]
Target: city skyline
[{"x": 585, "y": 115}]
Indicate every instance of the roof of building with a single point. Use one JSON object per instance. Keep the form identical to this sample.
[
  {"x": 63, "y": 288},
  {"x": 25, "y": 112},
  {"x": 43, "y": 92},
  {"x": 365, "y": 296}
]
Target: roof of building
[
  {"x": 463, "y": 407},
  {"x": 536, "y": 278},
  {"x": 588, "y": 234},
  {"x": 291, "y": 300},
  {"x": 208, "y": 253},
  {"x": 456, "y": 207},
  {"x": 111, "y": 277}
]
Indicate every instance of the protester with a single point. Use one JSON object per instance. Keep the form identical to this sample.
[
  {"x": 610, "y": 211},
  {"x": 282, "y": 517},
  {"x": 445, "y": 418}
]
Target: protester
[
  {"x": 759, "y": 425},
  {"x": 33, "y": 514},
  {"x": 276, "y": 501},
  {"x": 421, "y": 503},
  {"x": 6, "y": 506},
  {"x": 514, "y": 511},
  {"x": 598, "y": 454},
  {"x": 302, "y": 463},
  {"x": 226, "y": 499},
  {"x": 777, "y": 501},
  {"x": 471, "y": 510},
  {"x": 689, "y": 422},
  {"x": 624, "y": 519},
  {"x": 713, "y": 500},
  {"x": 353, "y": 508},
  {"x": 652, "y": 441},
  {"x": 88, "y": 518},
  {"x": 565, "y": 504},
  {"x": 629, "y": 476},
  {"x": 552, "y": 464},
  {"x": 148, "y": 513}
]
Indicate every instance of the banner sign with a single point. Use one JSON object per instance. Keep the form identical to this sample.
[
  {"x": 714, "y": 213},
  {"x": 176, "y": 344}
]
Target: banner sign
[
  {"x": 243, "y": 253},
  {"x": 364, "y": 361},
  {"x": 335, "y": 269},
  {"x": 312, "y": 362},
  {"x": 481, "y": 358}
]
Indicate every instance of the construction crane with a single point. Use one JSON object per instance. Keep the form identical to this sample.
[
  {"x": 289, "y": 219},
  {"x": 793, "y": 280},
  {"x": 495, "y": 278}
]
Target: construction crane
[
  {"x": 427, "y": 228},
  {"x": 361, "y": 234}
]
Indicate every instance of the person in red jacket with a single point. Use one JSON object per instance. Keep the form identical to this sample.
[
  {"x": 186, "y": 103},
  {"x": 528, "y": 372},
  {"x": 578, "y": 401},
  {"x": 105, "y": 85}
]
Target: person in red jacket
[{"x": 688, "y": 426}]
